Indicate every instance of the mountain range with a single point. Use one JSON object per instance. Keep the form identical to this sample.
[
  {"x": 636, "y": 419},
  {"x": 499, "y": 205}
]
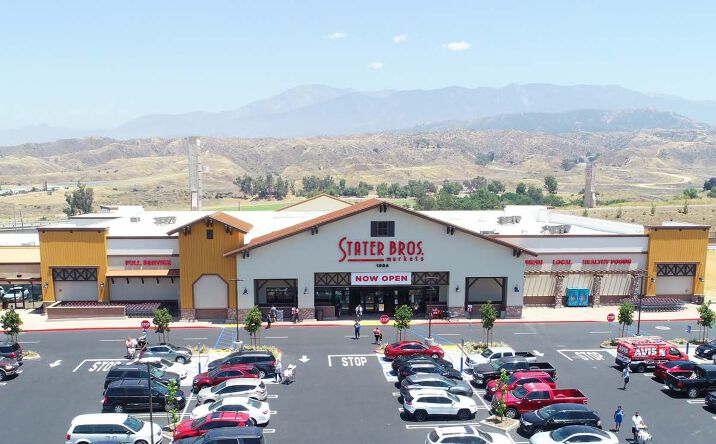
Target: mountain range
[{"x": 317, "y": 110}]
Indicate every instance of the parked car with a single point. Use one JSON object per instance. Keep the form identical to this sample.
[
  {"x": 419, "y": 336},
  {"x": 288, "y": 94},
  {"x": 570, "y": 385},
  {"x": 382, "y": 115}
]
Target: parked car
[
  {"x": 706, "y": 351},
  {"x": 198, "y": 427},
  {"x": 530, "y": 397},
  {"x": 701, "y": 381},
  {"x": 11, "y": 349},
  {"x": 263, "y": 360},
  {"x": 484, "y": 373},
  {"x": 228, "y": 435},
  {"x": 170, "y": 352},
  {"x": 139, "y": 371},
  {"x": 465, "y": 434},
  {"x": 250, "y": 387},
  {"x": 492, "y": 353},
  {"x": 164, "y": 364},
  {"x": 223, "y": 373},
  {"x": 114, "y": 427},
  {"x": 680, "y": 369},
  {"x": 645, "y": 353},
  {"x": 16, "y": 294},
  {"x": 434, "y": 381},
  {"x": 404, "y": 359},
  {"x": 8, "y": 367},
  {"x": 430, "y": 402},
  {"x": 403, "y": 348},
  {"x": 575, "y": 434},
  {"x": 427, "y": 367},
  {"x": 133, "y": 394},
  {"x": 558, "y": 415},
  {"x": 520, "y": 378},
  {"x": 260, "y": 412},
  {"x": 710, "y": 400}
]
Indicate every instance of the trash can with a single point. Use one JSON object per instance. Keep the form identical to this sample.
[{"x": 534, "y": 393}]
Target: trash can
[{"x": 319, "y": 314}]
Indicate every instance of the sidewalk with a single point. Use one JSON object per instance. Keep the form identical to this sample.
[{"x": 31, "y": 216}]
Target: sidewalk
[{"x": 39, "y": 322}]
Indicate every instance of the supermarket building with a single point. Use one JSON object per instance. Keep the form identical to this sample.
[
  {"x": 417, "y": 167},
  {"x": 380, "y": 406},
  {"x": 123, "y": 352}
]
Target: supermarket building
[{"x": 325, "y": 256}]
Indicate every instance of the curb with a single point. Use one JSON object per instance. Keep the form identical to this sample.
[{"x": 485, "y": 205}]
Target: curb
[{"x": 41, "y": 330}]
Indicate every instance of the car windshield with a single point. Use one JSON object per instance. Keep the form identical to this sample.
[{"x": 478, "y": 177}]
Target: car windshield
[
  {"x": 511, "y": 379},
  {"x": 134, "y": 423},
  {"x": 173, "y": 347},
  {"x": 157, "y": 372},
  {"x": 166, "y": 362},
  {"x": 519, "y": 392},
  {"x": 560, "y": 435},
  {"x": 495, "y": 364},
  {"x": 216, "y": 405},
  {"x": 218, "y": 387},
  {"x": 487, "y": 353},
  {"x": 254, "y": 403},
  {"x": 213, "y": 373},
  {"x": 546, "y": 412},
  {"x": 197, "y": 422},
  {"x": 484, "y": 435},
  {"x": 452, "y": 397}
]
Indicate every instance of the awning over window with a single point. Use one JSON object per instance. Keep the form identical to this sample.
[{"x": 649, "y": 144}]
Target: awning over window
[{"x": 19, "y": 277}]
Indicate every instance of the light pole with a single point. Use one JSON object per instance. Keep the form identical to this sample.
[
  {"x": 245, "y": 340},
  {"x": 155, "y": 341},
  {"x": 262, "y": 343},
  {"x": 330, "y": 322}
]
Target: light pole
[
  {"x": 237, "y": 307},
  {"x": 638, "y": 321},
  {"x": 151, "y": 406}
]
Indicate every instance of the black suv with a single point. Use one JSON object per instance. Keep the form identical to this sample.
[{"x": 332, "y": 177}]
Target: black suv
[
  {"x": 558, "y": 415},
  {"x": 706, "y": 351},
  {"x": 420, "y": 367},
  {"x": 139, "y": 371},
  {"x": 263, "y": 360},
  {"x": 133, "y": 394},
  {"x": 11, "y": 350},
  {"x": 401, "y": 360},
  {"x": 228, "y": 435}
]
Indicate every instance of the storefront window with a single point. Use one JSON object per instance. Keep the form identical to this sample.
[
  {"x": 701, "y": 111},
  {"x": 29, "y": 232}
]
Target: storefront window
[
  {"x": 280, "y": 295},
  {"x": 324, "y": 296}
]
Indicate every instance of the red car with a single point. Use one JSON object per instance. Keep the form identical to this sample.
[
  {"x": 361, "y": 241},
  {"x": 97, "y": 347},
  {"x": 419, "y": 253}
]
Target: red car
[
  {"x": 197, "y": 427},
  {"x": 405, "y": 348},
  {"x": 221, "y": 374},
  {"x": 521, "y": 378},
  {"x": 676, "y": 368}
]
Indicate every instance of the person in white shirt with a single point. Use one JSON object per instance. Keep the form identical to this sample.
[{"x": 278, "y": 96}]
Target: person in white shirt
[
  {"x": 625, "y": 375},
  {"x": 637, "y": 423}
]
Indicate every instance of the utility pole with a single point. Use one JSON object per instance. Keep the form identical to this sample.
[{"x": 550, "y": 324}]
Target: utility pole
[{"x": 151, "y": 405}]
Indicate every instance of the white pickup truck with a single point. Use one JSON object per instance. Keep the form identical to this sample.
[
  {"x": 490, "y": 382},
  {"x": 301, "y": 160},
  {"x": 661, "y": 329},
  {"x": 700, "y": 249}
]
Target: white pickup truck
[{"x": 493, "y": 353}]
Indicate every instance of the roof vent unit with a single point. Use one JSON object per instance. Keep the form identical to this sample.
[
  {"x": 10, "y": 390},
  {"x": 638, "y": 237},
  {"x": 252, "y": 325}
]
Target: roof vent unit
[
  {"x": 488, "y": 231},
  {"x": 556, "y": 229},
  {"x": 135, "y": 219},
  {"x": 165, "y": 220},
  {"x": 509, "y": 220}
]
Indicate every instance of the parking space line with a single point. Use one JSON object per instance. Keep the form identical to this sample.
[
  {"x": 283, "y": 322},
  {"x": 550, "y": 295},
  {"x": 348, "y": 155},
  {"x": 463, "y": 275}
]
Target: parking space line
[
  {"x": 275, "y": 337},
  {"x": 598, "y": 332},
  {"x": 432, "y": 426},
  {"x": 186, "y": 406},
  {"x": 194, "y": 339},
  {"x": 560, "y": 352},
  {"x": 28, "y": 342},
  {"x": 273, "y": 412},
  {"x": 450, "y": 334},
  {"x": 524, "y": 333},
  {"x": 272, "y": 396},
  {"x": 269, "y": 430}
]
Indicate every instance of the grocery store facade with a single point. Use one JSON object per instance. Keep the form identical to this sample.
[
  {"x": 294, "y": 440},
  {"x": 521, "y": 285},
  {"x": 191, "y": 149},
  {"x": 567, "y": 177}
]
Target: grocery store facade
[{"x": 326, "y": 257}]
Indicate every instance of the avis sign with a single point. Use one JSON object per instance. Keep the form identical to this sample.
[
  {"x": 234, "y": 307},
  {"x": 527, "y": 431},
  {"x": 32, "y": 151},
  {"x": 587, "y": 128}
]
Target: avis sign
[{"x": 377, "y": 279}]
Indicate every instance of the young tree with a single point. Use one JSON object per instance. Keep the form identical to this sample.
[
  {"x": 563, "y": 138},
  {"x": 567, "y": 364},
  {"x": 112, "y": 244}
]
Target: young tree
[
  {"x": 172, "y": 407},
  {"x": 403, "y": 317},
  {"x": 79, "y": 201},
  {"x": 488, "y": 313},
  {"x": 252, "y": 324},
  {"x": 502, "y": 389},
  {"x": 521, "y": 188},
  {"x": 706, "y": 319},
  {"x": 619, "y": 213},
  {"x": 161, "y": 321},
  {"x": 685, "y": 210},
  {"x": 626, "y": 316},
  {"x": 11, "y": 322},
  {"x": 550, "y": 184}
]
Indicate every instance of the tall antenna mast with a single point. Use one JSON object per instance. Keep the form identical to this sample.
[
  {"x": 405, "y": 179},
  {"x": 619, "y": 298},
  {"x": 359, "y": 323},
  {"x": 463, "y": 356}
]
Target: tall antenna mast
[{"x": 195, "y": 171}]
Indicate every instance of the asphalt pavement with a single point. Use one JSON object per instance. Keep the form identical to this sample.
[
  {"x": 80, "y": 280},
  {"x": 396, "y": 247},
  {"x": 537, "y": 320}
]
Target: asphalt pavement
[{"x": 342, "y": 392}]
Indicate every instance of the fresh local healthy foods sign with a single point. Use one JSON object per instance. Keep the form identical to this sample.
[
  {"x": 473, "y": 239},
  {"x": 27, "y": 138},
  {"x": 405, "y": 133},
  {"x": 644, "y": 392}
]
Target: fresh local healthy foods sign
[
  {"x": 381, "y": 278},
  {"x": 380, "y": 251}
]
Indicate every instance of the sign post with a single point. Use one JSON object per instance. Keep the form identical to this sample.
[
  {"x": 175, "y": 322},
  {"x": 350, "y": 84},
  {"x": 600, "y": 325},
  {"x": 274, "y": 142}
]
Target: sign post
[{"x": 610, "y": 319}]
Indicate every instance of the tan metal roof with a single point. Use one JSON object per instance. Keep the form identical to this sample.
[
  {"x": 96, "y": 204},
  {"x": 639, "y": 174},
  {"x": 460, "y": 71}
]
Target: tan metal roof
[
  {"x": 19, "y": 255},
  {"x": 219, "y": 216}
]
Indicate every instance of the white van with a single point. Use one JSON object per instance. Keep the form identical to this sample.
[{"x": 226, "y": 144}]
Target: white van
[{"x": 119, "y": 427}]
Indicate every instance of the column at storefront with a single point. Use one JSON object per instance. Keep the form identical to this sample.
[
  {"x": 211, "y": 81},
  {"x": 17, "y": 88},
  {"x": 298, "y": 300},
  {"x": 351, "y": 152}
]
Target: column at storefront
[
  {"x": 558, "y": 289},
  {"x": 597, "y": 289}
]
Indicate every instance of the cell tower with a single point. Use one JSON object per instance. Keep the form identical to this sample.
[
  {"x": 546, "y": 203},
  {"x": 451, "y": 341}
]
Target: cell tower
[
  {"x": 590, "y": 191},
  {"x": 195, "y": 171}
]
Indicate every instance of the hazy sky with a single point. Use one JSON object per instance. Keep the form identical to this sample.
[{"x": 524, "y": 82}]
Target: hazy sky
[{"x": 91, "y": 64}]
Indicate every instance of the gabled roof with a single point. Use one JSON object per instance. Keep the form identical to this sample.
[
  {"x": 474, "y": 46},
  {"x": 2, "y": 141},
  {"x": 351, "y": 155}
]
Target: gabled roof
[
  {"x": 223, "y": 218},
  {"x": 314, "y": 198},
  {"x": 353, "y": 210}
]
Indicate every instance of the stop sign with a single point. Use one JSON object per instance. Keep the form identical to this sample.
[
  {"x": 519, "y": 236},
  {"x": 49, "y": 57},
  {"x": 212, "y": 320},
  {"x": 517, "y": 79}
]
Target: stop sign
[
  {"x": 384, "y": 319},
  {"x": 611, "y": 317},
  {"x": 145, "y": 324}
]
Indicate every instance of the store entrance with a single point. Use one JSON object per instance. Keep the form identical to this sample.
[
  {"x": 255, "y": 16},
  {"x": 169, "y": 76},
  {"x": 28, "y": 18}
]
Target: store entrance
[{"x": 384, "y": 300}]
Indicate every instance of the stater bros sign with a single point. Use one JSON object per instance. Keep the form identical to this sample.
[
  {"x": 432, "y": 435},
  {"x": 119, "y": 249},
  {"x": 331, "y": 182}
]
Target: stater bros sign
[
  {"x": 380, "y": 251},
  {"x": 375, "y": 279}
]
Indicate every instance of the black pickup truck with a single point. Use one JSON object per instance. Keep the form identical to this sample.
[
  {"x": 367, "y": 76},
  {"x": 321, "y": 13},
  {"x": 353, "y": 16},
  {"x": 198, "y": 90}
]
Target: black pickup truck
[
  {"x": 484, "y": 373},
  {"x": 699, "y": 383}
]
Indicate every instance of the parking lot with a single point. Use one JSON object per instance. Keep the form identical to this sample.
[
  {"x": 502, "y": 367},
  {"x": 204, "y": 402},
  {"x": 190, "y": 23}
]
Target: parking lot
[{"x": 344, "y": 391}]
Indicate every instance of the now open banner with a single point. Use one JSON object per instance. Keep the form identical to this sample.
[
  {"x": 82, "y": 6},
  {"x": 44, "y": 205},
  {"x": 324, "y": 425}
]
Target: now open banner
[{"x": 369, "y": 279}]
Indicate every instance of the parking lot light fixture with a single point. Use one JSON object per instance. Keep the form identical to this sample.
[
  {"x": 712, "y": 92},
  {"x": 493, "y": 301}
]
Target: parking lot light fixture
[{"x": 151, "y": 409}]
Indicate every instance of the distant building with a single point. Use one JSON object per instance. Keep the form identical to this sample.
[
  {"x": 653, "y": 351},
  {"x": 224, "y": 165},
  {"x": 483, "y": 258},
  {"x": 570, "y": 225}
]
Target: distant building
[{"x": 590, "y": 192}]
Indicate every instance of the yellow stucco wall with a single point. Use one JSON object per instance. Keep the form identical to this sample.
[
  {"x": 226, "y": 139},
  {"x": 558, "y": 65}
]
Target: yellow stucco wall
[
  {"x": 77, "y": 248},
  {"x": 675, "y": 245},
  {"x": 200, "y": 256}
]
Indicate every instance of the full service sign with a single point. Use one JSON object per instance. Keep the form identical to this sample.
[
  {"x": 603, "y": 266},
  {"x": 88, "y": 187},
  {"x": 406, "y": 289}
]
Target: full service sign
[
  {"x": 380, "y": 251},
  {"x": 377, "y": 279}
]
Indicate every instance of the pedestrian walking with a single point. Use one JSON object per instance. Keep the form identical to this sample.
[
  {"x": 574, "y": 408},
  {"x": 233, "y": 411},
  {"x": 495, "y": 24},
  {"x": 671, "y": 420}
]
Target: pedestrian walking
[
  {"x": 359, "y": 312},
  {"x": 279, "y": 371},
  {"x": 130, "y": 349},
  {"x": 625, "y": 375},
  {"x": 618, "y": 418},
  {"x": 274, "y": 313},
  {"x": 293, "y": 314},
  {"x": 133, "y": 347},
  {"x": 378, "y": 335},
  {"x": 356, "y": 329},
  {"x": 268, "y": 320},
  {"x": 637, "y": 425}
]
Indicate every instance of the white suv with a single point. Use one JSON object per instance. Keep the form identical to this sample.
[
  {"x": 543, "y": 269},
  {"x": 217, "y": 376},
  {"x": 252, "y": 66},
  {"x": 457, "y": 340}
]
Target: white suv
[
  {"x": 466, "y": 434},
  {"x": 250, "y": 387},
  {"x": 424, "y": 402},
  {"x": 119, "y": 427},
  {"x": 164, "y": 364}
]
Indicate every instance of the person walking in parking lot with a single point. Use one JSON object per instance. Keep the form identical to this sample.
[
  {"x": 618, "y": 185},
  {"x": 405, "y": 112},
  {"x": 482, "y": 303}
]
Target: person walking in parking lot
[
  {"x": 637, "y": 424},
  {"x": 279, "y": 371},
  {"x": 130, "y": 349},
  {"x": 356, "y": 329},
  {"x": 625, "y": 375},
  {"x": 618, "y": 418},
  {"x": 378, "y": 335},
  {"x": 359, "y": 312},
  {"x": 268, "y": 320}
]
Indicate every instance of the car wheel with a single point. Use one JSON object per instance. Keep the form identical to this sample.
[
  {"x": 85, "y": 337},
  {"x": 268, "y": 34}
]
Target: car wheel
[
  {"x": 641, "y": 368},
  {"x": 262, "y": 374},
  {"x": 435, "y": 356},
  {"x": 253, "y": 422},
  {"x": 118, "y": 408},
  {"x": 538, "y": 430},
  {"x": 141, "y": 442},
  {"x": 401, "y": 399},
  {"x": 2, "y": 376},
  {"x": 512, "y": 413},
  {"x": 463, "y": 415},
  {"x": 692, "y": 392},
  {"x": 420, "y": 415},
  {"x": 181, "y": 360}
]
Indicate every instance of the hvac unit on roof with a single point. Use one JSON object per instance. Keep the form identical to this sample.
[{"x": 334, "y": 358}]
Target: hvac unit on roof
[
  {"x": 488, "y": 231},
  {"x": 165, "y": 220},
  {"x": 511, "y": 220},
  {"x": 556, "y": 229},
  {"x": 135, "y": 219}
]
